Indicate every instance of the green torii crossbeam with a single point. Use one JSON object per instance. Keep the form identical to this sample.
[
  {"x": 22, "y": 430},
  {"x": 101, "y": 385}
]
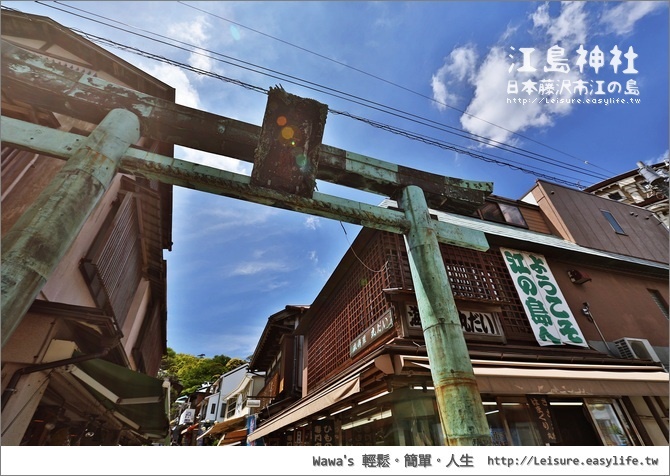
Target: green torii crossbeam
[{"x": 37, "y": 81}]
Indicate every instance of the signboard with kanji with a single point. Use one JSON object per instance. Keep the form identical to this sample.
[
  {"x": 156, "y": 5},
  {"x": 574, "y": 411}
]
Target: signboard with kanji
[
  {"x": 372, "y": 333},
  {"x": 323, "y": 433},
  {"x": 546, "y": 308},
  {"x": 539, "y": 409}
]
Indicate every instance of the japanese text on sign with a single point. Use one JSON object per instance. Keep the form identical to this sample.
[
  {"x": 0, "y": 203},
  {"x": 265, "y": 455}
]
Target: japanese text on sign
[
  {"x": 549, "y": 315},
  {"x": 539, "y": 409}
]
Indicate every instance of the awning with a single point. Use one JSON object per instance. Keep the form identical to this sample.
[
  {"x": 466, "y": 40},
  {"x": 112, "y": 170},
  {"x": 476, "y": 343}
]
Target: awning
[
  {"x": 205, "y": 433},
  {"x": 309, "y": 406},
  {"x": 226, "y": 425},
  {"x": 236, "y": 437},
  {"x": 190, "y": 428},
  {"x": 507, "y": 378},
  {"x": 134, "y": 398}
]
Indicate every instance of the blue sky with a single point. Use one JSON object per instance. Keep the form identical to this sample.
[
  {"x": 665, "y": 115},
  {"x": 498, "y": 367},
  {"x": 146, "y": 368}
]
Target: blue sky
[{"x": 233, "y": 263}]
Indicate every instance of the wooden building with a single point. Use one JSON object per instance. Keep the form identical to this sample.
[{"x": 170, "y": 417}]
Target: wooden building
[
  {"x": 565, "y": 320},
  {"x": 80, "y": 366}
]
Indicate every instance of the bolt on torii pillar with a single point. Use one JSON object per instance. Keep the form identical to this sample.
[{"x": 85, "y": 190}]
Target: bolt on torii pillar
[{"x": 286, "y": 159}]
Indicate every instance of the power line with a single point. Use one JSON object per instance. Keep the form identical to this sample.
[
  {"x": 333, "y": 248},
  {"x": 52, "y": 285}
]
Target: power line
[
  {"x": 386, "y": 127},
  {"x": 351, "y": 98},
  {"x": 379, "y": 78}
]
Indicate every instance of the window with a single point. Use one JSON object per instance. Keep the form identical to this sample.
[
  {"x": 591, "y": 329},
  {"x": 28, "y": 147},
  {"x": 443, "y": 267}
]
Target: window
[
  {"x": 660, "y": 302},
  {"x": 231, "y": 407},
  {"x": 113, "y": 265},
  {"x": 612, "y": 429},
  {"x": 615, "y": 196},
  {"x": 502, "y": 213},
  {"x": 213, "y": 409},
  {"x": 612, "y": 221}
]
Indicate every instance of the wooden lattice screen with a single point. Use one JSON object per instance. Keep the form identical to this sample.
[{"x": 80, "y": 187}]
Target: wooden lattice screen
[{"x": 359, "y": 299}]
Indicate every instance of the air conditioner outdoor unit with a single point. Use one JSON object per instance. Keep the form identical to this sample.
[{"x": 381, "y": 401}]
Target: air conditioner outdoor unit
[{"x": 636, "y": 348}]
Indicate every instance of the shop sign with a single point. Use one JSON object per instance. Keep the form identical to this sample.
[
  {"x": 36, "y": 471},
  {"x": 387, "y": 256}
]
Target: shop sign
[
  {"x": 546, "y": 308},
  {"x": 371, "y": 334},
  {"x": 323, "y": 433},
  {"x": 472, "y": 322},
  {"x": 483, "y": 323},
  {"x": 539, "y": 409},
  {"x": 187, "y": 417}
]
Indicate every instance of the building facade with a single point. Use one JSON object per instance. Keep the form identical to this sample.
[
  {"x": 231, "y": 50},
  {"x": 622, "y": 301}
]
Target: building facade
[
  {"x": 566, "y": 328},
  {"x": 645, "y": 187},
  {"x": 80, "y": 366}
]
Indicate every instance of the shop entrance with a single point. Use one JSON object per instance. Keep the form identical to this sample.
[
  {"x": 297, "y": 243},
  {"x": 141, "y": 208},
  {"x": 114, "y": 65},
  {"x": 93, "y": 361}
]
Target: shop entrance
[{"x": 573, "y": 426}]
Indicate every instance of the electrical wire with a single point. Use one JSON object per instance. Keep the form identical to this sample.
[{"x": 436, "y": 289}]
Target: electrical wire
[
  {"x": 353, "y": 68},
  {"x": 376, "y": 124},
  {"x": 352, "y": 98},
  {"x": 299, "y": 82},
  {"x": 381, "y": 270}
]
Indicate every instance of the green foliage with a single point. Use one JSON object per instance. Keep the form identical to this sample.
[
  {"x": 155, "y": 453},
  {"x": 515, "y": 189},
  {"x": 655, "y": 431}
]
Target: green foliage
[{"x": 191, "y": 371}]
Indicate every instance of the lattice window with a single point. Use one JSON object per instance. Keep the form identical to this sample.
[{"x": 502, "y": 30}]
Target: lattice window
[
  {"x": 113, "y": 265},
  {"x": 356, "y": 303},
  {"x": 482, "y": 276},
  {"x": 359, "y": 300}
]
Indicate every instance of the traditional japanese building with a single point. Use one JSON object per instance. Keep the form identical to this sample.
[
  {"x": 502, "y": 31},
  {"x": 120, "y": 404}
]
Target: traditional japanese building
[
  {"x": 79, "y": 366},
  {"x": 564, "y": 317}
]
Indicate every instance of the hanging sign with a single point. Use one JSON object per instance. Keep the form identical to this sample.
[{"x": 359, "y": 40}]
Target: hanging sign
[
  {"x": 372, "y": 333},
  {"x": 323, "y": 433},
  {"x": 546, "y": 308},
  {"x": 539, "y": 409}
]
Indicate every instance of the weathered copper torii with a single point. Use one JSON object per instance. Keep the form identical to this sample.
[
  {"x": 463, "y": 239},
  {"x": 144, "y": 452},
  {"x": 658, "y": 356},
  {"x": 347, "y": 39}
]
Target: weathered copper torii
[{"x": 288, "y": 157}]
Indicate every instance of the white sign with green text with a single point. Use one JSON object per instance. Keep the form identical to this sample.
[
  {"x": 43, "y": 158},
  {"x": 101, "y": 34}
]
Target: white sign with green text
[{"x": 546, "y": 308}]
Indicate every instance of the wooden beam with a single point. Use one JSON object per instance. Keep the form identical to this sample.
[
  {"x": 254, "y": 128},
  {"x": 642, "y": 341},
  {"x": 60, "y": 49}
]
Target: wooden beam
[
  {"x": 43, "y": 140},
  {"x": 46, "y": 84}
]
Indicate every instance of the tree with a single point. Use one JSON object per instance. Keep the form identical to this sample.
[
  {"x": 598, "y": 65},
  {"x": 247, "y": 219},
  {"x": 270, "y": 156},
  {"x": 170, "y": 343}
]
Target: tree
[{"x": 191, "y": 372}]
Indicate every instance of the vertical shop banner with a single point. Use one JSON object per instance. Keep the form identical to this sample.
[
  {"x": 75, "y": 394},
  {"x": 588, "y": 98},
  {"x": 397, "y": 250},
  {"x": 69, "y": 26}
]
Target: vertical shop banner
[
  {"x": 323, "y": 433},
  {"x": 539, "y": 409},
  {"x": 546, "y": 308},
  {"x": 252, "y": 424}
]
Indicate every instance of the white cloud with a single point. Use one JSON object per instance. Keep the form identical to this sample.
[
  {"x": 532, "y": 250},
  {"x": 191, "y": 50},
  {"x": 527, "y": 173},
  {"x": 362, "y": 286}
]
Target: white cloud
[
  {"x": 186, "y": 93},
  {"x": 489, "y": 106},
  {"x": 229, "y": 217},
  {"x": 510, "y": 31},
  {"x": 194, "y": 32},
  {"x": 664, "y": 156},
  {"x": 488, "y": 114},
  {"x": 217, "y": 221},
  {"x": 312, "y": 222},
  {"x": 568, "y": 29},
  {"x": 237, "y": 341},
  {"x": 440, "y": 92},
  {"x": 255, "y": 267},
  {"x": 213, "y": 160},
  {"x": 459, "y": 67},
  {"x": 621, "y": 19},
  {"x": 202, "y": 60}
]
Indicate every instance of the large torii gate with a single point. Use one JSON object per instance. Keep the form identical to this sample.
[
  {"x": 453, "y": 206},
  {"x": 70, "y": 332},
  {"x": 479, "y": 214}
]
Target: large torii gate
[{"x": 288, "y": 157}]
